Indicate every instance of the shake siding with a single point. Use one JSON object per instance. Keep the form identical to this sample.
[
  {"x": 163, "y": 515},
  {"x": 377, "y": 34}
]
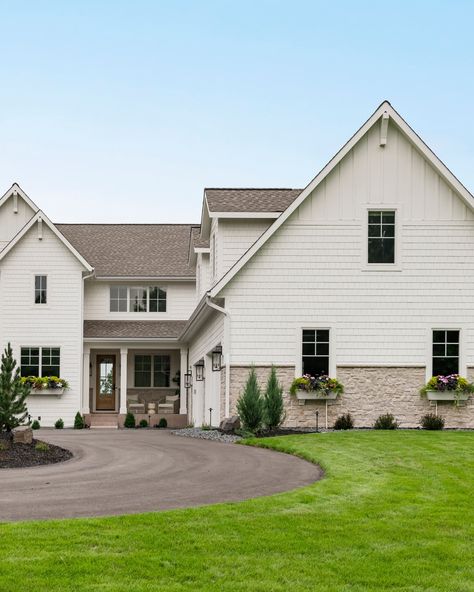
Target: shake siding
[
  {"x": 180, "y": 301},
  {"x": 59, "y": 323},
  {"x": 236, "y": 237},
  {"x": 210, "y": 334},
  {"x": 312, "y": 272}
]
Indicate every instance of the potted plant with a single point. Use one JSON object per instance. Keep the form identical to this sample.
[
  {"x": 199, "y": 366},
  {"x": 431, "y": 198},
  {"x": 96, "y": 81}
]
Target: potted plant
[
  {"x": 447, "y": 388},
  {"x": 46, "y": 385},
  {"x": 316, "y": 388}
]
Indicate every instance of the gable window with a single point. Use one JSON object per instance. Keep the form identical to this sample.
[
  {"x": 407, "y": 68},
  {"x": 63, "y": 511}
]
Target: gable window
[
  {"x": 152, "y": 371},
  {"x": 381, "y": 236},
  {"x": 40, "y": 361},
  {"x": 118, "y": 299},
  {"x": 137, "y": 299},
  {"x": 40, "y": 289},
  {"x": 315, "y": 351},
  {"x": 445, "y": 352}
]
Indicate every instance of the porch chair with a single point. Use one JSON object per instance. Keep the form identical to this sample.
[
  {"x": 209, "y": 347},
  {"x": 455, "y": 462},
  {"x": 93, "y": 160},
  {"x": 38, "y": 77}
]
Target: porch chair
[
  {"x": 134, "y": 405},
  {"x": 170, "y": 405}
]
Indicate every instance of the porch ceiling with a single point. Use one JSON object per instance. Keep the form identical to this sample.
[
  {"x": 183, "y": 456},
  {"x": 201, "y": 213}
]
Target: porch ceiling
[{"x": 133, "y": 329}]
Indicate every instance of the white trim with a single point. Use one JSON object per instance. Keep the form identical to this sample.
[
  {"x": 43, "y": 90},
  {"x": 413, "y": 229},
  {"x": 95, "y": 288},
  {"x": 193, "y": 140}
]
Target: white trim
[
  {"x": 462, "y": 365},
  {"x": 366, "y": 266},
  {"x": 385, "y": 107},
  {"x": 332, "y": 369},
  {"x": 16, "y": 188},
  {"x": 133, "y": 278},
  {"x": 40, "y": 216}
]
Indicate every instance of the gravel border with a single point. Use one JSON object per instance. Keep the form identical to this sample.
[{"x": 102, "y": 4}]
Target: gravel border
[
  {"x": 214, "y": 435},
  {"x": 22, "y": 456}
]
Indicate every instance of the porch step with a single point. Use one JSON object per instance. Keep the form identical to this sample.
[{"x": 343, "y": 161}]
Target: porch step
[{"x": 104, "y": 420}]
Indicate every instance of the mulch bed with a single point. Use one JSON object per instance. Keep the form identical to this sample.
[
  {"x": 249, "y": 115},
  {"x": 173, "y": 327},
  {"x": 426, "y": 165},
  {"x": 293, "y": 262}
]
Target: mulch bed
[{"x": 26, "y": 455}]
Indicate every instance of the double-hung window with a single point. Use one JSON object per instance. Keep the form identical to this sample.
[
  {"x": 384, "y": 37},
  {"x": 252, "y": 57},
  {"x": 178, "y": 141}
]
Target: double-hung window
[
  {"x": 152, "y": 371},
  {"x": 137, "y": 299},
  {"x": 41, "y": 282},
  {"x": 445, "y": 352},
  {"x": 40, "y": 361},
  {"x": 315, "y": 351},
  {"x": 118, "y": 299},
  {"x": 381, "y": 236}
]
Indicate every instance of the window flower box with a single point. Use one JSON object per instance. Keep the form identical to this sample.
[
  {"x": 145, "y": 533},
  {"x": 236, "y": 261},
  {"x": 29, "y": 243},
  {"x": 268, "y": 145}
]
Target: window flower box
[
  {"x": 303, "y": 395},
  {"x": 56, "y": 392},
  {"x": 316, "y": 388},
  {"x": 45, "y": 385},
  {"x": 447, "y": 388},
  {"x": 447, "y": 395}
]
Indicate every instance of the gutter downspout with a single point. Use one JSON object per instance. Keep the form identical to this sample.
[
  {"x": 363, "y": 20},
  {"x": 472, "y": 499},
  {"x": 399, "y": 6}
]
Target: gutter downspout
[
  {"x": 84, "y": 404},
  {"x": 226, "y": 348}
]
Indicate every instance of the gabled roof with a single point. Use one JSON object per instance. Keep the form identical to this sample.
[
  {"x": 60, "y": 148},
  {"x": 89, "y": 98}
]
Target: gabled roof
[
  {"x": 21, "y": 193},
  {"x": 40, "y": 217},
  {"x": 133, "y": 329},
  {"x": 384, "y": 110},
  {"x": 197, "y": 241},
  {"x": 249, "y": 199},
  {"x": 133, "y": 250}
]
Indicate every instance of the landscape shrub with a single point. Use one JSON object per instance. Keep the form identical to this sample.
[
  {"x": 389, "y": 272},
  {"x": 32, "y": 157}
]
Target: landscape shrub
[
  {"x": 344, "y": 422},
  {"x": 79, "y": 422},
  {"x": 59, "y": 424},
  {"x": 162, "y": 423},
  {"x": 143, "y": 423},
  {"x": 386, "y": 422},
  {"x": 273, "y": 406},
  {"x": 129, "y": 421},
  {"x": 35, "y": 425},
  {"x": 13, "y": 393},
  {"x": 250, "y": 404},
  {"x": 430, "y": 421},
  {"x": 42, "y": 447}
]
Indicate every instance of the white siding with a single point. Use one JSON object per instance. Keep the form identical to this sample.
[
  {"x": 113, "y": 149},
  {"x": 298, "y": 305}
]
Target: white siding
[
  {"x": 11, "y": 223},
  {"x": 58, "y": 323},
  {"x": 203, "y": 280},
  {"x": 180, "y": 301},
  {"x": 312, "y": 272},
  {"x": 235, "y": 238}
]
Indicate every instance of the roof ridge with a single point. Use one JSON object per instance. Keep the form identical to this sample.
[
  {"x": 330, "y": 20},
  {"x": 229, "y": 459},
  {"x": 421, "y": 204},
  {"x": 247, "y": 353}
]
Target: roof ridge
[
  {"x": 253, "y": 189},
  {"x": 190, "y": 224}
]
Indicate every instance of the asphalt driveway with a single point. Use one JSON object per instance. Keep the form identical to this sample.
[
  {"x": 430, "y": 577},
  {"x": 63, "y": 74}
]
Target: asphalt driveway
[{"x": 129, "y": 471}]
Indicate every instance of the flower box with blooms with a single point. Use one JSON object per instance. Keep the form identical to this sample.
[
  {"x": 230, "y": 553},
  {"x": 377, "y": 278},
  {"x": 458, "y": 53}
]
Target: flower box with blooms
[
  {"x": 447, "y": 388},
  {"x": 46, "y": 385},
  {"x": 316, "y": 388}
]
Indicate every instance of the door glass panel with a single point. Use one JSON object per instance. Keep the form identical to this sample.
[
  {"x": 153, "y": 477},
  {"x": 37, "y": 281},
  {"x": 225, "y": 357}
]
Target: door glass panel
[{"x": 106, "y": 377}]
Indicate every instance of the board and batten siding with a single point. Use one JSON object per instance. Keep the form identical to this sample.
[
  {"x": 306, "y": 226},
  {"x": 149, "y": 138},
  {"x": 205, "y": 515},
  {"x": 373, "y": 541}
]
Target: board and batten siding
[
  {"x": 12, "y": 222},
  {"x": 180, "y": 301},
  {"x": 312, "y": 272},
  {"x": 56, "y": 324}
]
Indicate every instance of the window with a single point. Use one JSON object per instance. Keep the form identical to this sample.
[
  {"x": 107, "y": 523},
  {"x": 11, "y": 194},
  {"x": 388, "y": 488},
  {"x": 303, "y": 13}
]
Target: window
[
  {"x": 315, "y": 351},
  {"x": 152, "y": 371},
  {"x": 118, "y": 299},
  {"x": 40, "y": 361},
  {"x": 137, "y": 299},
  {"x": 40, "y": 289},
  {"x": 161, "y": 371},
  {"x": 381, "y": 236},
  {"x": 445, "y": 352},
  {"x": 142, "y": 370}
]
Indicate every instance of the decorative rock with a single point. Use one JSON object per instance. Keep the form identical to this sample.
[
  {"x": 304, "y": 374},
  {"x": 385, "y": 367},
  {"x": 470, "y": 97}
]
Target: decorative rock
[
  {"x": 214, "y": 435},
  {"x": 230, "y": 424},
  {"x": 22, "y": 435}
]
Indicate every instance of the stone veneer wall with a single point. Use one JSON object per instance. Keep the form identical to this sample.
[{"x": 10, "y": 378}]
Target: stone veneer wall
[{"x": 369, "y": 392}]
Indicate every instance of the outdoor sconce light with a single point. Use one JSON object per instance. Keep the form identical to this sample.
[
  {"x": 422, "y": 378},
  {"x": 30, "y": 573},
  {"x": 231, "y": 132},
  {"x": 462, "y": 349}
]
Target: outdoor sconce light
[
  {"x": 188, "y": 380},
  {"x": 217, "y": 358},
  {"x": 199, "y": 370}
]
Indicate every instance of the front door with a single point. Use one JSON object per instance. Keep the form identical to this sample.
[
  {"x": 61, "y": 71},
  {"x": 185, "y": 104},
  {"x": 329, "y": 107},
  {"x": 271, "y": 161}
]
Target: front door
[{"x": 105, "y": 388}]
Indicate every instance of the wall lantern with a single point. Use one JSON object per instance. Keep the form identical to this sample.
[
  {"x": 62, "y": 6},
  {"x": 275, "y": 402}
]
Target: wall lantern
[
  {"x": 188, "y": 380},
  {"x": 199, "y": 370},
  {"x": 217, "y": 358}
]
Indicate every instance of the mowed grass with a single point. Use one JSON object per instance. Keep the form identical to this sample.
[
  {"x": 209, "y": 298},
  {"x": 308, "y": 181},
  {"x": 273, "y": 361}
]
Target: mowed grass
[{"x": 395, "y": 511}]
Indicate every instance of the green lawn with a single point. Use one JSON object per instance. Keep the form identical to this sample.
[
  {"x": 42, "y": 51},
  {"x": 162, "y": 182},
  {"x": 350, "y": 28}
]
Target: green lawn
[{"x": 394, "y": 512}]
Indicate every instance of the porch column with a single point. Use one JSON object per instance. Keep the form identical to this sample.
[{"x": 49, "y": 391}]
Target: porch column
[
  {"x": 86, "y": 359},
  {"x": 183, "y": 404},
  {"x": 123, "y": 380}
]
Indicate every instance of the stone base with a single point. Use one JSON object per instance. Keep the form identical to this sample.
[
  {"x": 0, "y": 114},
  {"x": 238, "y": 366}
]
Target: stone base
[{"x": 174, "y": 420}]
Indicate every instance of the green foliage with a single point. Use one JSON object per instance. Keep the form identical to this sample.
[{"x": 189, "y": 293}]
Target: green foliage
[
  {"x": 59, "y": 425},
  {"x": 321, "y": 384},
  {"x": 250, "y": 404},
  {"x": 162, "y": 423},
  {"x": 273, "y": 406},
  {"x": 35, "y": 425},
  {"x": 38, "y": 383},
  {"x": 129, "y": 421},
  {"x": 430, "y": 421},
  {"x": 79, "y": 423},
  {"x": 42, "y": 447},
  {"x": 13, "y": 393},
  {"x": 344, "y": 422},
  {"x": 3, "y": 446},
  {"x": 452, "y": 382},
  {"x": 143, "y": 423},
  {"x": 386, "y": 422},
  {"x": 300, "y": 383}
]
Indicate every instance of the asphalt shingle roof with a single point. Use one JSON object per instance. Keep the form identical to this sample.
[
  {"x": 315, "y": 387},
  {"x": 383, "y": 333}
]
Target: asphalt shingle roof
[
  {"x": 133, "y": 250},
  {"x": 250, "y": 200},
  {"x": 134, "y": 329},
  {"x": 197, "y": 240}
]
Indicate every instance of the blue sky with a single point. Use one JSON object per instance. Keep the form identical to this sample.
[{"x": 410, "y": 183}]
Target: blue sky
[{"x": 124, "y": 111}]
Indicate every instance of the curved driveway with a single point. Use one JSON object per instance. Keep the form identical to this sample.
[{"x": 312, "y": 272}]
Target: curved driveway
[{"x": 124, "y": 472}]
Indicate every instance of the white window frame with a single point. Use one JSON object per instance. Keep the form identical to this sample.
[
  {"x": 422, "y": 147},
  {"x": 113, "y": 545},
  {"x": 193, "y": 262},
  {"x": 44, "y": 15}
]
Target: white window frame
[
  {"x": 129, "y": 301},
  {"x": 332, "y": 347},
  {"x": 40, "y": 357},
  {"x": 366, "y": 266},
  {"x": 429, "y": 349},
  {"x": 40, "y": 274}
]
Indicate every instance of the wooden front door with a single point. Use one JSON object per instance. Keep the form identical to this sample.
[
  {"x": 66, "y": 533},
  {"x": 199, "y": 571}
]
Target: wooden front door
[{"x": 105, "y": 387}]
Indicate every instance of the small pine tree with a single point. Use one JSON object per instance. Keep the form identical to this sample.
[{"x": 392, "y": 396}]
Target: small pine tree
[
  {"x": 13, "y": 393},
  {"x": 129, "y": 421},
  {"x": 79, "y": 421},
  {"x": 274, "y": 409},
  {"x": 59, "y": 424},
  {"x": 250, "y": 404}
]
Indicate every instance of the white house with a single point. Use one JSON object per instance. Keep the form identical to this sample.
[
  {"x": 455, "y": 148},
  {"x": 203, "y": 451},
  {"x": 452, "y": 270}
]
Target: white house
[{"x": 363, "y": 274}]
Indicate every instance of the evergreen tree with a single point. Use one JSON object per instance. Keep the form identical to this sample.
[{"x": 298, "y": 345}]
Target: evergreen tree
[
  {"x": 273, "y": 402},
  {"x": 250, "y": 404},
  {"x": 79, "y": 421},
  {"x": 13, "y": 393}
]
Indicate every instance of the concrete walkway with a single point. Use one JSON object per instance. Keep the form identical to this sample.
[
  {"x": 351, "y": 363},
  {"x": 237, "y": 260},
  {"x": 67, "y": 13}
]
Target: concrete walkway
[{"x": 124, "y": 472}]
